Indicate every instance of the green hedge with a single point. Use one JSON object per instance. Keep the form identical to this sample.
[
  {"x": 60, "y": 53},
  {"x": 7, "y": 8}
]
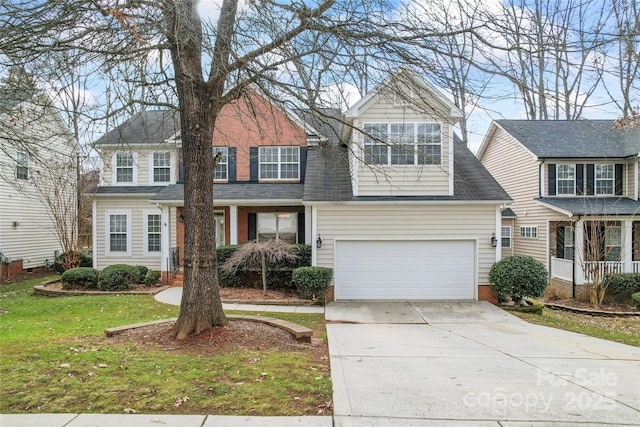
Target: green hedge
[
  {"x": 152, "y": 278},
  {"x": 622, "y": 283},
  {"x": 79, "y": 278},
  {"x": 635, "y": 298},
  {"x": 518, "y": 276},
  {"x": 312, "y": 282},
  {"x": 118, "y": 277},
  {"x": 86, "y": 260}
]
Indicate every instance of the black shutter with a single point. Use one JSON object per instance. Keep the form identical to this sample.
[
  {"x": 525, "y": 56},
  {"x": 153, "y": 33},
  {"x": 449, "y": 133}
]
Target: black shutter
[
  {"x": 180, "y": 166},
  {"x": 231, "y": 168},
  {"x": 618, "y": 179},
  {"x": 552, "y": 179},
  {"x": 590, "y": 179},
  {"x": 579, "y": 179},
  {"x": 301, "y": 228},
  {"x": 253, "y": 164},
  {"x": 252, "y": 221},
  {"x": 560, "y": 241},
  {"x": 303, "y": 162}
]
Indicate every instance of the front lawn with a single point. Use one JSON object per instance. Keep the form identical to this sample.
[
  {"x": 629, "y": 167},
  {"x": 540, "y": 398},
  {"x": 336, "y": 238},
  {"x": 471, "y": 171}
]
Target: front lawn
[
  {"x": 625, "y": 330},
  {"x": 55, "y": 358}
]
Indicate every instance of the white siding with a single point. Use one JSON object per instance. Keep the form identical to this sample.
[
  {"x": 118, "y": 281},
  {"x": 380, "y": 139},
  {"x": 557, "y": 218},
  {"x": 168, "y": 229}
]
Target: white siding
[
  {"x": 142, "y": 158},
  {"x": 408, "y": 222}
]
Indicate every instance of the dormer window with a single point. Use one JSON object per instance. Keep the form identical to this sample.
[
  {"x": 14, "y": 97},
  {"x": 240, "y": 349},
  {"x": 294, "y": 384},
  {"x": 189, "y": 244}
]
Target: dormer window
[
  {"x": 402, "y": 143},
  {"x": 604, "y": 179},
  {"x": 566, "y": 180},
  {"x": 222, "y": 170}
]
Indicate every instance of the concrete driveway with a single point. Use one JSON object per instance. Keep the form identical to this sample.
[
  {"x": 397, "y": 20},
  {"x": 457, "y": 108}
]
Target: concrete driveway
[{"x": 472, "y": 364}]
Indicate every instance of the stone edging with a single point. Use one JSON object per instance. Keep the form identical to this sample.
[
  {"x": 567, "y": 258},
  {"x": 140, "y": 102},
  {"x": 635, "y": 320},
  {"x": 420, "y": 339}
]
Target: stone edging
[
  {"x": 272, "y": 302},
  {"x": 300, "y": 333},
  {"x": 592, "y": 312},
  {"x": 42, "y": 289}
]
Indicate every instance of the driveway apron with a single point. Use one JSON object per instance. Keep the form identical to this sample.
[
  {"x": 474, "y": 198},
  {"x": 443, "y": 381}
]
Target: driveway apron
[{"x": 471, "y": 363}]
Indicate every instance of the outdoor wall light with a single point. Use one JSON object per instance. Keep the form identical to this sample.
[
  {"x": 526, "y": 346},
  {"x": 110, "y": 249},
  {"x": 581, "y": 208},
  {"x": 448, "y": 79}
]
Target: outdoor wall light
[
  {"x": 319, "y": 242},
  {"x": 181, "y": 218},
  {"x": 494, "y": 241}
]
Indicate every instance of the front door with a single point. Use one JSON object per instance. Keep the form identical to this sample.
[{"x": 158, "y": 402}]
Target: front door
[{"x": 219, "y": 219}]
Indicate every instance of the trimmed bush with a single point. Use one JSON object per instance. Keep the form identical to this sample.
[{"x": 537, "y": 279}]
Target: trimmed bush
[
  {"x": 151, "y": 278},
  {"x": 142, "y": 272},
  {"x": 635, "y": 298},
  {"x": 86, "y": 260},
  {"x": 622, "y": 283},
  {"x": 312, "y": 282},
  {"x": 518, "y": 276},
  {"x": 80, "y": 278},
  {"x": 223, "y": 253},
  {"x": 118, "y": 277}
]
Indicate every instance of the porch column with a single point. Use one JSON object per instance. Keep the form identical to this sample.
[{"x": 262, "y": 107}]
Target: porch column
[
  {"x": 578, "y": 252},
  {"x": 307, "y": 226},
  {"x": 165, "y": 237},
  {"x": 627, "y": 245},
  {"x": 233, "y": 224}
]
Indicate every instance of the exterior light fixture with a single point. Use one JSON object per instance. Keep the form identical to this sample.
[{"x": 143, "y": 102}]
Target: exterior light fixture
[
  {"x": 494, "y": 241},
  {"x": 319, "y": 242},
  {"x": 181, "y": 218}
]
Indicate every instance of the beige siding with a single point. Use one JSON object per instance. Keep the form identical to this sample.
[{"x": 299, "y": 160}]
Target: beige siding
[
  {"x": 402, "y": 180},
  {"x": 505, "y": 252},
  {"x": 517, "y": 171},
  {"x": 136, "y": 207},
  {"x": 393, "y": 222},
  {"x": 142, "y": 166}
]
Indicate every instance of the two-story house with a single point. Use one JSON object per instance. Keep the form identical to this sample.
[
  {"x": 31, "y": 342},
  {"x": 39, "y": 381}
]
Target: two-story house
[
  {"x": 575, "y": 188},
  {"x": 387, "y": 195},
  {"x": 37, "y": 175}
]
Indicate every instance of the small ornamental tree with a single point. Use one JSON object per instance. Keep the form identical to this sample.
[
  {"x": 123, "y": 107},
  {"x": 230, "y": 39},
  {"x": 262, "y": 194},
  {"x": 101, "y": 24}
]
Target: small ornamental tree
[{"x": 518, "y": 276}]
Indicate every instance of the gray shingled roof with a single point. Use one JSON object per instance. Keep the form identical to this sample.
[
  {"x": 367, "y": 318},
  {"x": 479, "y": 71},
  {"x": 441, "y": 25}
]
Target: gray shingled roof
[
  {"x": 573, "y": 138},
  {"x": 327, "y": 121},
  {"x": 146, "y": 127},
  {"x": 594, "y": 205},
  {"x": 237, "y": 191},
  {"x": 508, "y": 213},
  {"x": 328, "y": 178},
  {"x": 127, "y": 189}
]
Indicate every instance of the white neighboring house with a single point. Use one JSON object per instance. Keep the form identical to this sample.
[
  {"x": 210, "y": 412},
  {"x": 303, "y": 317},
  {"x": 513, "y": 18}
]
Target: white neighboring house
[{"x": 34, "y": 143}]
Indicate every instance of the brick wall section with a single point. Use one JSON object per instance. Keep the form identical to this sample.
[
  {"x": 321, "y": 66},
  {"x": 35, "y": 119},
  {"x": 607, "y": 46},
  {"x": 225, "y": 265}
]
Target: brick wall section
[
  {"x": 485, "y": 293},
  {"x": 252, "y": 121},
  {"x": 552, "y": 236},
  {"x": 636, "y": 241}
]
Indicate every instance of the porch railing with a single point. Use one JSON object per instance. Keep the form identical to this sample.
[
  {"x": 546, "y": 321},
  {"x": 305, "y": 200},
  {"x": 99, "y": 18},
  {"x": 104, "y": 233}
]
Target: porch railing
[
  {"x": 562, "y": 269},
  {"x": 636, "y": 266},
  {"x": 174, "y": 261},
  {"x": 600, "y": 268}
]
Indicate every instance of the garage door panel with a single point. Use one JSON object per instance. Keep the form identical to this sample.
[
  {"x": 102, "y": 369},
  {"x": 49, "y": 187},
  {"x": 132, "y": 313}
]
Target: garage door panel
[{"x": 405, "y": 269}]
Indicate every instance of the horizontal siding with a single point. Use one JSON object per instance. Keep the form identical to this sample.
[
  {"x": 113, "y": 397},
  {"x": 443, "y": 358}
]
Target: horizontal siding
[
  {"x": 142, "y": 165},
  {"x": 137, "y": 208},
  {"x": 408, "y": 222}
]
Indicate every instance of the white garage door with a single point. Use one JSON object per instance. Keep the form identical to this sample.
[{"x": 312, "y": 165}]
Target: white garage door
[{"x": 404, "y": 270}]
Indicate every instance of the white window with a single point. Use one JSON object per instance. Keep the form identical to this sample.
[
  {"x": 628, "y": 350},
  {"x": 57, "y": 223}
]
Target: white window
[
  {"x": 118, "y": 232},
  {"x": 161, "y": 167},
  {"x": 566, "y": 179},
  {"x": 613, "y": 242},
  {"x": 569, "y": 248},
  {"x": 506, "y": 237},
  {"x": 604, "y": 179},
  {"x": 279, "y": 163},
  {"x": 152, "y": 232},
  {"x": 125, "y": 171},
  {"x": 402, "y": 143},
  {"x": 22, "y": 165},
  {"x": 278, "y": 226},
  {"x": 222, "y": 170},
  {"x": 529, "y": 232}
]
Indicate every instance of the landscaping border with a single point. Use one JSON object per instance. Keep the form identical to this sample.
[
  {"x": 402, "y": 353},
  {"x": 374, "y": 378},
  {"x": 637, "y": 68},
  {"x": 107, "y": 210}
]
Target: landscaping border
[
  {"x": 592, "y": 312},
  {"x": 42, "y": 290}
]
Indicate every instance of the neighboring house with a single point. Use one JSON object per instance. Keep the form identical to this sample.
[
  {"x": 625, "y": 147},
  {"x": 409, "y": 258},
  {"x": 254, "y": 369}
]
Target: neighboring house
[
  {"x": 575, "y": 189},
  {"x": 388, "y": 196},
  {"x": 33, "y": 141}
]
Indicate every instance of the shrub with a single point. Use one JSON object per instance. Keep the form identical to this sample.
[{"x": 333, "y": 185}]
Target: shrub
[
  {"x": 518, "y": 276},
  {"x": 621, "y": 283},
  {"x": 536, "y": 307},
  {"x": 86, "y": 260},
  {"x": 80, "y": 278},
  {"x": 142, "y": 272},
  {"x": 151, "y": 278},
  {"x": 635, "y": 298},
  {"x": 223, "y": 253},
  {"x": 312, "y": 281},
  {"x": 118, "y": 277}
]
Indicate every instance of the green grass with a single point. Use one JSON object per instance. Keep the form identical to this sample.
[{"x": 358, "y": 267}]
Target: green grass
[
  {"x": 54, "y": 357},
  {"x": 625, "y": 330}
]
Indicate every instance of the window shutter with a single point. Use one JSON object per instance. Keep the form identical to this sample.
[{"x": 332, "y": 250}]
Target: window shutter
[
  {"x": 560, "y": 241},
  {"x": 579, "y": 179},
  {"x": 253, "y": 164},
  {"x": 618, "y": 179},
  {"x": 551, "y": 168},
  {"x": 252, "y": 223},
  {"x": 180, "y": 166},
  {"x": 301, "y": 228},
  {"x": 303, "y": 162},
  {"x": 231, "y": 168},
  {"x": 590, "y": 179}
]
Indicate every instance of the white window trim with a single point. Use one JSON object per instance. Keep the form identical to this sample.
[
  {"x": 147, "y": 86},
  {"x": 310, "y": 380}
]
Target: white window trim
[
  {"x": 573, "y": 193},
  {"x": 23, "y": 164},
  {"x": 569, "y": 231},
  {"x": 503, "y": 236},
  {"x": 145, "y": 226},
  {"x": 107, "y": 229},
  {"x": 172, "y": 168},
  {"x": 596, "y": 180},
  {"x": 215, "y": 151},
  {"x": 415, "y": 144},
  {"x": 533, "y": 231},
  {"x": 294, "y": 214},
  {"x": 114, "y": 169},
  {"x": 279, "y": 147}
]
